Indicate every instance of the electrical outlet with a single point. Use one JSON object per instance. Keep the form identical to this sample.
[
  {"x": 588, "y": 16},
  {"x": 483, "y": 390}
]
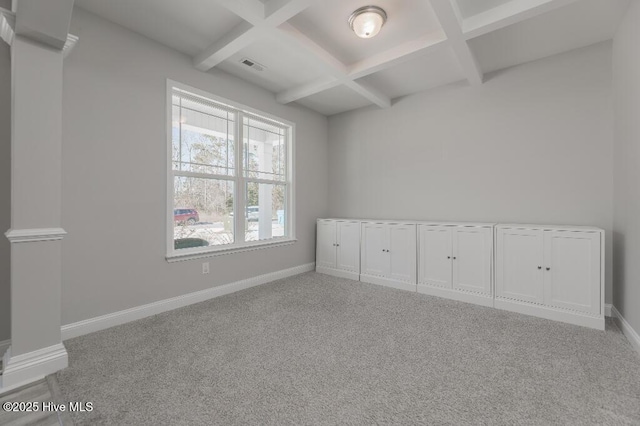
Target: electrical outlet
[{"x": 205, "y": 268}]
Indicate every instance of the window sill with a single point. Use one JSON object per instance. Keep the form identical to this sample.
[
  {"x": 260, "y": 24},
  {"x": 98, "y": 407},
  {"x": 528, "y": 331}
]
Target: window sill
[{"x": 191, "y": 255}]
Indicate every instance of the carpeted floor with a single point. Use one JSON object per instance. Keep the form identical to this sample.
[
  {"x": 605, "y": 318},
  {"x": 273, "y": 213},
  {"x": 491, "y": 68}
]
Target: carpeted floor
[{"x": 314, "y": 349}]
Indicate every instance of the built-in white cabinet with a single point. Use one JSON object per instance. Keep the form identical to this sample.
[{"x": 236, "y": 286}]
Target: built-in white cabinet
[
  {"x": 519, "y": 265},
  {"x": 552, "y": 272},
  {"x": 456, "y": 261},
  {"x": 388, "y": 254},
  {"x": 338, "y": 248}
]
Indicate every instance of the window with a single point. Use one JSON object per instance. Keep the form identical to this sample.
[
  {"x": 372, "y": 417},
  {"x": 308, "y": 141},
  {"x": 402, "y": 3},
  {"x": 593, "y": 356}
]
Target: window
[{"x": 230, "y": 176}]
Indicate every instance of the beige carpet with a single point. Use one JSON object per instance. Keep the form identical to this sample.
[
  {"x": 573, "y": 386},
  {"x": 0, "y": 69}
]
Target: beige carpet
[{"x": 313, "y": 349}]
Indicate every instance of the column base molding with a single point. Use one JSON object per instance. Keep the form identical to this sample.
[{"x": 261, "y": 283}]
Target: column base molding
[
  {"x": 23, "y": 369},
  {"x": 33, "y": 235}
]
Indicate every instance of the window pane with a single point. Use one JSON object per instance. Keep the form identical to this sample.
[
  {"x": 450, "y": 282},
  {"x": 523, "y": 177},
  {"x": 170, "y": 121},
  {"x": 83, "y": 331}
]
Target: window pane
[
  {"x": 203, "y": 212},
  {"x": 205, "y": 153},
  {"x": 264, "y": 150},
  {"x": 203, "y": 137},
  {"x": 265, "y": 211}
]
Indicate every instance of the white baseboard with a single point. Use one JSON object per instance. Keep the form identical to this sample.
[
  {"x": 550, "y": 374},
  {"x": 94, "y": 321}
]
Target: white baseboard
[
  {"x": 460, "y": 296},
  {"x": 91, "y": 325},
  {"x": 554, "y": 314},
  {"x": 338, "y": 273},
  {"x": 627, "y": 330},
  {"x": 32, "y": 366},
  {"x": 607, "y": 309},
  {"x": 388, "y": 283}
]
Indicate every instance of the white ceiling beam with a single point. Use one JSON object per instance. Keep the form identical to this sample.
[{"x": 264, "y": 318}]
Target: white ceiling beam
[
  {"x": 241, "y": 36},
  {"x": 275, "y": 14},
  {"x": 252, "y": 11},
  {"x": 449, "y": 17},
  {"x": 468, "y": 62},
  {"x": 279, "y": 11},
  {"x": 329, "y": 64},
  {"x": 260, "y": 22},
  {"x": 379, "y": 62},
  {"x": 308, "y": 89},
  {"x": 371, "y": 93},
  {"x": 508, "y": 14},
  {"x": 496, "y": 18},
  {"x": 295, "y": 39},
  {"x": 397, "y": 55}
]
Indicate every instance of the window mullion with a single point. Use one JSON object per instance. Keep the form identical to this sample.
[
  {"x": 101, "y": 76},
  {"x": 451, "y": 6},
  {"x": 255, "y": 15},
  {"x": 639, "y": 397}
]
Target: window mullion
[
  {"x": 266, "y": 181},
  {"x": 239, "y": 202},
  {"x": 203, "y": 175}
]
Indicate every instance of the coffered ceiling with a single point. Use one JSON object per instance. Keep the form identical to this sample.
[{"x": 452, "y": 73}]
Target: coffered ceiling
[{"x": 309, "y": 54}]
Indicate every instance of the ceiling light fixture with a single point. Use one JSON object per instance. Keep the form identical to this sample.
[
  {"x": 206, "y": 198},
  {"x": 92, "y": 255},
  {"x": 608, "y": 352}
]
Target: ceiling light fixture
[{"x": 367, "y": 21}]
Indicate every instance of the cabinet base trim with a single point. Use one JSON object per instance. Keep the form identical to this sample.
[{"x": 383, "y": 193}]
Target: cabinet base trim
[
  {"x": 551, "y": 313},
  {"x": 388, "y": 283},
  {"x": 338, "y": 273},
  {"x": 476, "y": 299}
]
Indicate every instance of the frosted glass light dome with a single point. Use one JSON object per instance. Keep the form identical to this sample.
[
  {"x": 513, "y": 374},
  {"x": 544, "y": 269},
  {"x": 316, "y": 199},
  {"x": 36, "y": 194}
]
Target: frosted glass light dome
[{"x": 367, "y": 21}]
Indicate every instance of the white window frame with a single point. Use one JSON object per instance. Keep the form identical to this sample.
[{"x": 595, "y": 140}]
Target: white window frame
[{"x": 239, "y": 182}]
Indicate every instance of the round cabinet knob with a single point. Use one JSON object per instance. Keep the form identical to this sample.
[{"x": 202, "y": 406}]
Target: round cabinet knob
[
  {"x": 539, "y": 267},
  {"x": 548, "y": 269},
  {"x": 454, "y": 258},
  {"x": 448, "y": 257}
]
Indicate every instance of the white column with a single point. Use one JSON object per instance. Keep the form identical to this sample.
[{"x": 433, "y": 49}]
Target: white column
[{"x": 36, "y": 234}]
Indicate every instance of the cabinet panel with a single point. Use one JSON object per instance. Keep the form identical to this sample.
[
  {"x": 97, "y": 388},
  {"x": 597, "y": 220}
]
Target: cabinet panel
[
  {"x": 374, "y": 260},
  {"x": 348, "y": 240},
  {"x": 572, "y": 270},
  {"x": 472, "y": 252},
  {"x": 325, "y": 247},
  {"x": 402, "y": 253},
  {"x": 435, "y": 256},
  {"x": 519, "y": 265}
]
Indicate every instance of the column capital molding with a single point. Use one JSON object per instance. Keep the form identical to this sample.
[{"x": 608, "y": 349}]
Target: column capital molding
[
  {"x": 8, "y": 33},
  {"x": 33, "y": 235}
]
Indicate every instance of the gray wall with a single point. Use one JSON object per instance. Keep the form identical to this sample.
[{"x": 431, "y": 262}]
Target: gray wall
[
  {"x": 533, "y": 144},
  {"x": 626, "y": 77},
  {"x": 5, "y": 188},
  {"x": 114, "y": 177}
]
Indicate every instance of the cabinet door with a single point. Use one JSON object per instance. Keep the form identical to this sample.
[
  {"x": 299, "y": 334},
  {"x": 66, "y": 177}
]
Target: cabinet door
[
  {"x": 402, "y": 253},
  {"x": 348, "y": 244},
  {"x": 325, "y": 247},
  {"x": 434, "y": 265},
  {"x": 374, "y": 259},
  {"x": 519, "y": 265},
  {"x": 572, "y": 270},
  {"x": 472, "y": 253}
]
